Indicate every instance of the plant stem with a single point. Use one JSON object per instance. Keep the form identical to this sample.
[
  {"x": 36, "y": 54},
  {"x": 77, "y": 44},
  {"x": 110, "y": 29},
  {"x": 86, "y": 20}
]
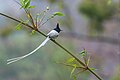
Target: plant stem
[
  {"x": 73, "y": 55},
  {"x": 71, "y": 65},
  {"x": 94, "y": 73},
  {"x": 46, "y": 21},
  {"x": 32, "y": 21}
]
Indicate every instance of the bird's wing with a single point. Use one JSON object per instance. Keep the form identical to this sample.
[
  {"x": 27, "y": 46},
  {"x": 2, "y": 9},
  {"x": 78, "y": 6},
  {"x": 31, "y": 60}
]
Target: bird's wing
[
  {"x": 19, "y": 58},
  {"x": 50, "y": 32},
  {"x": 53, "y": 34}
]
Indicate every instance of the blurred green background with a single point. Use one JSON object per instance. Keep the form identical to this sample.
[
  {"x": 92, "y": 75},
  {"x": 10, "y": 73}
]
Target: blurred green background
[{"x": 90, "y": 24}]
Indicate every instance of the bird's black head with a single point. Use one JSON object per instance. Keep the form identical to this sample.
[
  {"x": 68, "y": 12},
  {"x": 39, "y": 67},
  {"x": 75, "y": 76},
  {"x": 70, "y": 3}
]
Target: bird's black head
[{"x": 57, "y": 28}]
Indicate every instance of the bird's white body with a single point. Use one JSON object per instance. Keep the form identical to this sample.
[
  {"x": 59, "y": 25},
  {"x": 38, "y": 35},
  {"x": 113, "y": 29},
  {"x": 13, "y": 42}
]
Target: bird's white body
[{"x": 51, "y": 35}]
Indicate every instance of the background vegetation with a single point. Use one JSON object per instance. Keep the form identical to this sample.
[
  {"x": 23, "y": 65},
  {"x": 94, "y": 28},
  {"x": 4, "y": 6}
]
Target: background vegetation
[{"x": 93, "y": 25}]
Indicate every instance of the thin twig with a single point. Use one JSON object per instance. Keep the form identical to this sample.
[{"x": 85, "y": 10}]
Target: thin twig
[
  {"x": 42, "y": 18},
  {"x": 80, "y": 71},
  {"x": 36, "y": 21},
  {"x": 39, "y": 21},
  {"x": 71, "y": 65},
  {"x": 32, "y": 21},
  {"x": 46, "y": 21}
]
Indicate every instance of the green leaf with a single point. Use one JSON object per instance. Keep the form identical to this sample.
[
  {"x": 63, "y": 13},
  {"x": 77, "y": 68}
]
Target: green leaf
[
  {"x": 83, "y": 52},
  {"x": 25, "y": 1},
  {"x": 18, "y": 27},
  {"x": 73, "y": 70},
  {"x": 58, "y": 14},
  {"x": 70, "y": 60},
  {"x": 31, "y": 6},
  {"x": 27, "y": 4},
  {"x": 22, "y": 2},
  {"x": 33, "y": 32}
]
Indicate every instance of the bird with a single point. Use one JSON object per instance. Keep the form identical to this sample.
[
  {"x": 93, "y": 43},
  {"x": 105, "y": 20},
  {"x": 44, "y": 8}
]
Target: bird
[{"x": 53, "y": 34}]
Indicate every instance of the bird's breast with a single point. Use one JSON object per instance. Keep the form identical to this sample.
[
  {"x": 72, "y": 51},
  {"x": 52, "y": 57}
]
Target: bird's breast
[{"x": 53, "y": 34}]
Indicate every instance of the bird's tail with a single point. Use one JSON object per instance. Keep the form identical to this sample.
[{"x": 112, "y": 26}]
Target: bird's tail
[{"x": 19, "y": 58}]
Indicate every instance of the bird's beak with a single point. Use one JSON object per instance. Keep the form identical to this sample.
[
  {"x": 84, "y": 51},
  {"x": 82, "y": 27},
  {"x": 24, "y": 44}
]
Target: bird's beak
[{"x": 61, "y": 30}]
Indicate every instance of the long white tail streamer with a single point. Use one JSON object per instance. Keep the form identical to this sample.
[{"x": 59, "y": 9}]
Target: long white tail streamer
[{"x": 19, "y": 58}]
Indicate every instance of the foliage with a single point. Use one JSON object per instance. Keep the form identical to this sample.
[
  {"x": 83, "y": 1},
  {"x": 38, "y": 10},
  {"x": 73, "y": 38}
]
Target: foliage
[
  {"x": 39, "y": 18},
  {"x": 58, "y": 14},
  {"x": 26, "y": 4},
  {"x": 97, "y": 11},
  {"x": 18, "y": 27},
  {"x": 76, "y": 67}
]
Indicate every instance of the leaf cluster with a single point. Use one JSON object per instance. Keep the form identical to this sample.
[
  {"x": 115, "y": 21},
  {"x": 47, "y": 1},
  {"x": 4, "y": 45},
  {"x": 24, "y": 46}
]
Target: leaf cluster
[
  {"x": 38, "y": 20},
  {"x": 76, "y": 67}
]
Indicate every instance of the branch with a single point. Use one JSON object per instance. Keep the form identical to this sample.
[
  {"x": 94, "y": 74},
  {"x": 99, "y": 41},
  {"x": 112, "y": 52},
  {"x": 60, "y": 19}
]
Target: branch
[
  {"x": 94, "y": 73},
  {"x": 32, "y": 21},
  {"x": 73, "y": 55},
  {"x": 22, "y": 23}
]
